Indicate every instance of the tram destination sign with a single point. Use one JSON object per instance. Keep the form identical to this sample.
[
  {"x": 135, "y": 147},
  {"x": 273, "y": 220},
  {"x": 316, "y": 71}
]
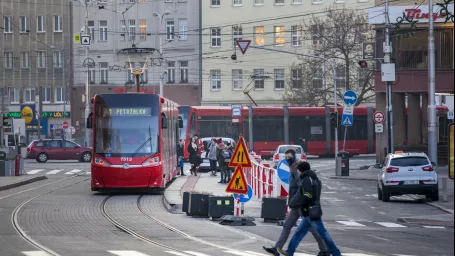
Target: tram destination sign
[{"x": 128, "y": 112}]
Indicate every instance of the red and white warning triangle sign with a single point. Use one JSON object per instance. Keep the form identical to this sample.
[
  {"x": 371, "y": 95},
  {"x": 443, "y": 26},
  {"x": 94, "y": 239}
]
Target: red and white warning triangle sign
[{"x": 243, "y": 45}]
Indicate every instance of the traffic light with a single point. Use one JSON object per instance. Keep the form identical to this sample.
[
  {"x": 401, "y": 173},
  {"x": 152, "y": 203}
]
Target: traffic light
[
  {"x": 5, "y": 119},
  {"x": 334, "y": 119},
  {"x": 363, "y": 64}
]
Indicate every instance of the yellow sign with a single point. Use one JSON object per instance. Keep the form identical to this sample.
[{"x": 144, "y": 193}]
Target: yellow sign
[
  {"x": 451, "y": 152},
  {"x": 238, "y": 184},
  {"x": 240, "y": 156},
  {"x": 77, "y": 38},
  {"x": 27, "y": 114}
]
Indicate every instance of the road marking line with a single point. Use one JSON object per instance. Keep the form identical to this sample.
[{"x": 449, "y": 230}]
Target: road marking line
[
  {"x": 435, "y": 227},
  {"x": 357, "y": 254},
  {"x": 36, "y": 253},
  {"x": 351, "y": 223},
  {"x": 176, "y": 253},
  {"x": 54, "y": 172},
  {"x": 196, "y": 253},
  {"x": 304, "y": 254},
  {"x": 390, "y": 225},
  {"x": 34, "y": 171},
  {"x": 127, "y": 253},
  {"x": 256, "y": 253},
  {"x": 238, "y": 253},
  {"x": 74, "y": 171}
]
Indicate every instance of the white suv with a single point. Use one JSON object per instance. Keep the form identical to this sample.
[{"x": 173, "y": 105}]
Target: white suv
[
  {"x": 407, "y": 173},
  {"x": 279, "y": 153}
]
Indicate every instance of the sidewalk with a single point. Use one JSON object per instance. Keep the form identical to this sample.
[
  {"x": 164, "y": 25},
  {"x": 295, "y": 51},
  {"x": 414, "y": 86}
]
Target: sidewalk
[
  {"x": 358, "y": 174},
  {"x": 12, "y": 182}
]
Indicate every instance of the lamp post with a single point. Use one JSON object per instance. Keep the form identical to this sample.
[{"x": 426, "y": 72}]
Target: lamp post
[{"x": 161, "y": 17}]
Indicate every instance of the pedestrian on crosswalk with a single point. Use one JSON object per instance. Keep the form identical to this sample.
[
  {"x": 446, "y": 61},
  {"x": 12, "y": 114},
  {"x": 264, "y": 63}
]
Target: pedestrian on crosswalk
[
  {"x": 310, "y": 194},
  {"x": 295, "y": 213}
]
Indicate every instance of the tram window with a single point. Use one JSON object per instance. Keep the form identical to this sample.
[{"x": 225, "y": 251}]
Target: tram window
[{"x": 268, "y": 128}]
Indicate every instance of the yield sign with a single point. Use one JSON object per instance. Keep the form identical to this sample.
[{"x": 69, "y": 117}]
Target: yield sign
[
  {"x": 240, "y": 156},
  {"x": 243, "y": 45},
  {"x": 238, "y": 183}
]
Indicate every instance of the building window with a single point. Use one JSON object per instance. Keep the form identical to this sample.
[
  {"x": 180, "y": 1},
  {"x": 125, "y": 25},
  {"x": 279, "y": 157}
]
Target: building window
[
  {"x": 259, "y": 79},
  {"x": 7, "y": 27},
  {"x": 296, "y": 1},
  {"x": 216, "y": 37},
  {"x": 183, "y": 29},
  {"x": 132, "y": 30},
  {"x": 24, "y": 24},
  {"x": 279, "y": 79},
  {"x": 216, "y": 3},
  {"x": 237, "y": 2},
  {"x": 259, "y": 36},
  {"x": 58, "y": 23},
  {"x": 279, "y": 2},
  {"x": 91, "y": 76},
  {"x": 170, "y": 30},
  {"x": 46, "y": 95},
  {"x": 14, "y": 95},
  {"x": 341, "y": 77},
  {"x": 25, "y": 60},
  {"x": 40, "y": 24},
  {"x": 318, "y": 79},
  {"x": 41, "y": 59},
  {"x": 296, "y": 78},
  {"x": 91, "y": 29},
  {"x": 8, "y": 60},
  {"x": 60, "y": 96},
  {"x": 297, "y": 33},
  {"x": 143, "y": 29},
  {"x": 171, "y": 72},
  {"x": 144, "y": 78},
  {"x": 215, "y": 79},
  {"x": 183, "y": 72},
  {"x": 279, "y": 35},
  {"x": 103, "y": 30},
  {"x": 104, "y": 72},
  {"x": 237, "y": 34},
  {"x": 237, "y": 79},
  {"x": 29, "y": 95},
  {"x": 58, "y": 59},
  {"x": 258, "y": 2},
  {"x": 123, "y": 28}
]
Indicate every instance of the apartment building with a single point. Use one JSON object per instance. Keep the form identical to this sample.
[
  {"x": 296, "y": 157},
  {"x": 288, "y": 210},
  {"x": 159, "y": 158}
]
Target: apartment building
[
  {"x": 276, "y": 24},
  {"x": 34, "y": 49},
  {"x": 120, "y": 24}
]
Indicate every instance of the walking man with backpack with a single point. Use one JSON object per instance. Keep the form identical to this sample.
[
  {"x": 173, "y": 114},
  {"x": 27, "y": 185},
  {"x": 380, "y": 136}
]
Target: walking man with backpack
[
  {"x": 295, "y": 213},
  {"x": 308, "y": 198},
  {"x": 222, "y": 153}
]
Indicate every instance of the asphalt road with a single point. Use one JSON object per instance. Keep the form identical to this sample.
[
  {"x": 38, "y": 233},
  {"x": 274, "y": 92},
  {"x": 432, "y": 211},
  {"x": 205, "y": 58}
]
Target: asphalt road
[{"x": 63, "y": 215}]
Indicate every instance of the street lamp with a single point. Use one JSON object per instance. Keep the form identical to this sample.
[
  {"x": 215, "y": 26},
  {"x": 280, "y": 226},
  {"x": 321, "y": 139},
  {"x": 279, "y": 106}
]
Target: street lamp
[{"x": 161, "y": 17}]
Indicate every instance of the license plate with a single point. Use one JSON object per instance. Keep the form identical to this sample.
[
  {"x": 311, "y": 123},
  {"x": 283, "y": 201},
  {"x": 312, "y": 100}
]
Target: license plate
[{"x": 412, "y": 182}]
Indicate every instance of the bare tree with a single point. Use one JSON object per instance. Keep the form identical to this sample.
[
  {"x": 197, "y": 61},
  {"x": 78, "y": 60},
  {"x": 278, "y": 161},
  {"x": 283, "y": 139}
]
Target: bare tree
[{"x": 338, "y": 37}]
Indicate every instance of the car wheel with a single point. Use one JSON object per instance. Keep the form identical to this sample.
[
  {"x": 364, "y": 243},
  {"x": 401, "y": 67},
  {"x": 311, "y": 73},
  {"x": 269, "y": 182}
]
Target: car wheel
[
  {"x": 385, "y": 194},
  {"x": 434, "y": 196},
  {"x": 379, "y": 193},
  {"x": 42, "y": 158},
  {"x": 86, "y": 157}
]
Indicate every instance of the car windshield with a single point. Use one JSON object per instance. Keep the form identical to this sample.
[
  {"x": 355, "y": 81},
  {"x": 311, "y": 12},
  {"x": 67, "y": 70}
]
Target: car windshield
[
  {"x": 298, "y": 150},
  {"x": 126, "y": 131},
  {"x": 409, "y": 161}
]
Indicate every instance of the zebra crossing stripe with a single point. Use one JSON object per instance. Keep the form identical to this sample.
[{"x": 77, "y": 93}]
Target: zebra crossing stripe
[
  {"x": 36, "y": 253},
  {"x": 54, "y": 172},
  {"x": 127, "y": 253},
  {"x": 256, "y": 253},
  {"x": 351, "y": 223},
  {"x": 435, "y": 227},
  {"x": 34, "y": 171},
  {"x": 73, "y": 171},
  {"x": 390, "y": 225},
  {"x": 196, "y": 253},
  {"x": 176, "y": 253},
  {"x": 238, "y": 253}
]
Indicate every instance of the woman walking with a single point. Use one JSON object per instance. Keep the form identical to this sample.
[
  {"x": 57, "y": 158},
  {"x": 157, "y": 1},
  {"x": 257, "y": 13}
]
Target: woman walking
[{"x": 194, "y": 149}]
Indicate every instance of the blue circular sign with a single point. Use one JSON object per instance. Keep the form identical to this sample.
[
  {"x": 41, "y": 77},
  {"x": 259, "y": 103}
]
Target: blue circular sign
[
  {"x": 284, "y": 171},
  {"x": 245, "y": 198},
  {"x": 350, "y": 97}
]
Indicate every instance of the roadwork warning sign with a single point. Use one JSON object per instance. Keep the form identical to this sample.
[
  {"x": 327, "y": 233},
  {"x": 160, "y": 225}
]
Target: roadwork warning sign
[
  {"x": 240, "y": 156},
  {"x": 238, "y": 184}
]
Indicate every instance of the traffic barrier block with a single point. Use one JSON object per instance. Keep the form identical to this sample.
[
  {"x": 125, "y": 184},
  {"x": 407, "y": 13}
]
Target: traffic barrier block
[{"x": 230, "y": 220}]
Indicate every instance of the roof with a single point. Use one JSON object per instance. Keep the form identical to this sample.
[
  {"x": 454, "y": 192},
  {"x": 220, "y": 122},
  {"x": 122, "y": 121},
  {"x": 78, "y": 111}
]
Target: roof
[
  {"x": 410, "y": 154},
  {"x": 295, "y": 146}
]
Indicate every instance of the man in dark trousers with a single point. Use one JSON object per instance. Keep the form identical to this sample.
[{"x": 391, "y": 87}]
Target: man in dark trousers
[{"x": 295, "y": 213}]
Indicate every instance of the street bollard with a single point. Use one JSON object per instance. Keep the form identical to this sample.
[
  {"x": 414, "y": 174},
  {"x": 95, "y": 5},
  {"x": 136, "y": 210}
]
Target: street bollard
[
  {"x": 17, "y": 169},
  {"x": 444, "y": 189},
  {"x": 338, "y": 166}
]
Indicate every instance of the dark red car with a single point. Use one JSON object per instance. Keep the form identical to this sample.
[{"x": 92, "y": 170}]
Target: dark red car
[{"x": 57, "y": 149}]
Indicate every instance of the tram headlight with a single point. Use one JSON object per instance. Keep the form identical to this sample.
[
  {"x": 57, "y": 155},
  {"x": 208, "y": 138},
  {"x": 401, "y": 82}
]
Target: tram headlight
[
  {"x": 101, "y": 162},
  {"x": 152, "y": 161}
]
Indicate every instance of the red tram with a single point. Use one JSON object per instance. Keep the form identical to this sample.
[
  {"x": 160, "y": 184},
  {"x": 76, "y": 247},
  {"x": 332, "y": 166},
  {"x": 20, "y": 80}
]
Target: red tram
[
  {"x": 135, "y": 137},
  {"x": 309, "y": 127}
]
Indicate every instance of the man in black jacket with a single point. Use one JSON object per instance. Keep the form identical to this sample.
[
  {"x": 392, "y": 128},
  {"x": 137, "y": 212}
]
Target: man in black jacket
[
  {"x": 309, "y": 196},
  {"x": 295, "y": 213}
]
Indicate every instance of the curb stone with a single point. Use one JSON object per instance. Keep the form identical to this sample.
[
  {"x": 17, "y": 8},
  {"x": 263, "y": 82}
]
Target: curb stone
[
  {"x": 434, "y": 204},
  {"x": 411, "y": 220},
  {"x": 187, "y": 186},
  {"x": 21, "y": 183},
  {"x": 350, "y": 178}
]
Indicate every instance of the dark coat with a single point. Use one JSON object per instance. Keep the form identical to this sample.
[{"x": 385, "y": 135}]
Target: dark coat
[
  {"x": 294, "y": 179},
  {"x": 195, "y": 158}
]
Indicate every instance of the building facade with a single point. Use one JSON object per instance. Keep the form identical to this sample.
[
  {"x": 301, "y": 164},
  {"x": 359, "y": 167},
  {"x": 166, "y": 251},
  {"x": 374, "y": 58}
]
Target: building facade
[
  {"x": 277, "y": 24},
  {"x": 410, "y": 54},
  {"x": 136, "y": 24},
  {"x": 34, "y": 46}
]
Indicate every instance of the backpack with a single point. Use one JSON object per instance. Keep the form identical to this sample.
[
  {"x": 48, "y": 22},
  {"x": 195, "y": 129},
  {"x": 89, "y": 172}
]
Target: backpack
[{"x": 226, "y": 154}]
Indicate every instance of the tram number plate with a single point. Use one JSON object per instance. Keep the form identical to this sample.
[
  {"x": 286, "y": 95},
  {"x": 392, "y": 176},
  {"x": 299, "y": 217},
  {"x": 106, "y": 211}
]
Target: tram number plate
[{"x": 126, "y": 159}]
